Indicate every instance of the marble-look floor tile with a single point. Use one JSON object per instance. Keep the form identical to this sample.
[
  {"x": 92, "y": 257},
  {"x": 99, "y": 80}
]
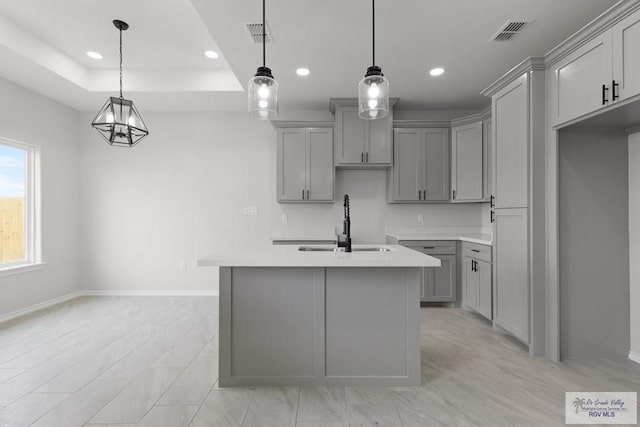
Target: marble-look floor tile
[
  {"x": 322, "y": 404},
  {"x": 272, "y": 406},
  {"x": 7, "y": 374},
  {"x": 185, "y": 350},
  {"x": 326, "y": 424},
  {"x": 169, "y": 416},
  {"x": 193, "y": 384},
  {"x": 223, "y": 408},
  {"x": 28, "y": 381},
  {"x": 28, "y": 409},
  {"x": 131, "y": 405},
  {"x": 383, "y": 415},
  {"x": 81, "y": 406},
  {"x": 365, "y": 395},
  {"x": 210, "y": 351}
]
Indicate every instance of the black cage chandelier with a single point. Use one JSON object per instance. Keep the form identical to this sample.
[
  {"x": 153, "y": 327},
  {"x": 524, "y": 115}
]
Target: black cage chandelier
[{"x": 119, "y": 122}]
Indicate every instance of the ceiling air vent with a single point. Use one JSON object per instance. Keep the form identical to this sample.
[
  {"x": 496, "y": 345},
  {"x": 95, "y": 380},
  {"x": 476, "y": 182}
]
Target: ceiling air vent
[
  {"x": 510, "y": 30},
  {"x": 255, "y": 31}
]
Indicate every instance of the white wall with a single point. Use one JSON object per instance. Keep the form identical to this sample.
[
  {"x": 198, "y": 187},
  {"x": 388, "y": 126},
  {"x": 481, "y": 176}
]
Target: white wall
[
  {"x": 179, "y": 195},
  {"x": 634, "y": 243},
  {"x": 34, "y": 119}
]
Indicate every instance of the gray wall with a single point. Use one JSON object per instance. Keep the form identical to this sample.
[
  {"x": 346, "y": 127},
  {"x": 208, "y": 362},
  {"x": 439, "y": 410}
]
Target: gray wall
[
  {"x": 594, "y": 244},
  {"x": 34, "y": 119},
  {"x": 634, "y": 243}
]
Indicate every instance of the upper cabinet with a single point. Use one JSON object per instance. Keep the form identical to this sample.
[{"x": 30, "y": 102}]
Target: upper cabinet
[
  {"x": 305, "y": 170},
  {"x": 600, "y": 73},
  {"x": 487, "y": 161},
  {"x": 626, "y": 56},
  {"x": 362, "y": 143},
  {"x": 421, "y": 166},
  {"x": 467, "y": 163}
]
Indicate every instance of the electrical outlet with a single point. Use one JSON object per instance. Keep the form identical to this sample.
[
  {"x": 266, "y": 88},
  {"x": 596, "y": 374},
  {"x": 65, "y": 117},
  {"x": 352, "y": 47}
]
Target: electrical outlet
[
  {"x": 250, "y": 211},
  {"x": 420, "y": 217},
  {"x": 183, "y": 265},
  {"x": 285, "y": 217}
]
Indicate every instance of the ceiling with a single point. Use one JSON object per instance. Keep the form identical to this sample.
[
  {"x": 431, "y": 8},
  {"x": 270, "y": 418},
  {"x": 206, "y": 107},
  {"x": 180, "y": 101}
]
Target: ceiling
[{"x": 43, "y": 47}]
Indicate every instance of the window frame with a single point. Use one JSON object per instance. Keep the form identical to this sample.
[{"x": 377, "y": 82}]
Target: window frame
[{"x": 32, "y": 212}]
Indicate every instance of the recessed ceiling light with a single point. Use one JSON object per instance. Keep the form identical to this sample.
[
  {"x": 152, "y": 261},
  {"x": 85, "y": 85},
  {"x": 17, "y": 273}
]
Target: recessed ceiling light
[
  {"x": 211, "y": 54},
  {"x": 302, "y": 71},
  {"x": 437, "y": 71},
  {"x": 94, "y": 55}
]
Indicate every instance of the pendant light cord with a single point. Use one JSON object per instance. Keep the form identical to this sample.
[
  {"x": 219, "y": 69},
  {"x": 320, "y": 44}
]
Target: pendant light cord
[
  {"x": 120, "y": 63},
  {"x": 373, "y": 26},
  {"x": 264, "y": 36}
]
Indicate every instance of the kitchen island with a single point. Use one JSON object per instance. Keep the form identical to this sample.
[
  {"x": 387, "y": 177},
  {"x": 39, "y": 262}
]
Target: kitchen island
[{"x": 292, "y": 315}]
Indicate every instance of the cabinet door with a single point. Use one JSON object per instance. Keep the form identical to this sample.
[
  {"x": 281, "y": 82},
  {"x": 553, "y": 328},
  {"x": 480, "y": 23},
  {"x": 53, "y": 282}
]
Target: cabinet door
[
  {"x": 440, "y": 282},
  {"x": 407, "y": 168},
  {"x": 577, "y": 81},
  {"x": 511, "y": 272},
  {"x": 351, "y": 133},
  {"x": 436, "y": 164},
  {"x": 511, "y": 125},
  {"x": 485, "y": 289},
  {"x": 320, "y": 171},
  {"x": 487, "y": 164},
  {"x": 626, "y": 56},
  {"x": 379, "y": 146},
  {"x": 470, "y": 284},
  {"x": 291, "y": 174},
  {"x": 466, "y": 163}
]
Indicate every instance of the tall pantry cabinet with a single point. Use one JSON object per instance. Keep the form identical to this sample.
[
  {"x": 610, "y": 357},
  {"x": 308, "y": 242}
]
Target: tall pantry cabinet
[{"x": 517, "y": 108}]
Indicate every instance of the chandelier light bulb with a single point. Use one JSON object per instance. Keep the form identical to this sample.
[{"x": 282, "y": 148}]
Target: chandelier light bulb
[
  {"x": 263, "y": 103},
  {"x": 374, "y": 91},
  {"x": 373, "y": 103},
  {"x": 264, "y": 91}
]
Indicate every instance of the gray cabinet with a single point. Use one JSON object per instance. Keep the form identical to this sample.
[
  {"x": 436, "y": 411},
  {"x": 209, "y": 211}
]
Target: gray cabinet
[
  {"x": 421, "y": 166},
  {"x": 487, "y": 161},
  {"x": 438, "y": 284},
  {"x": 581, "y": 81},
  {"x": 511, "y": 271},
  {"x": 362, "y": 143},
  {"x": 477, "y": 286},
  {"x": 626, "y": 56},
  {"x": 305, "y": 165},
  {"x": 467, "y": 163}
]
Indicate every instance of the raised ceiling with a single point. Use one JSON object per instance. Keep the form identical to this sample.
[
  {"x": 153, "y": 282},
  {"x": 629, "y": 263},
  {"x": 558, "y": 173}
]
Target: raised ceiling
[{"x": 43, "y": 47}]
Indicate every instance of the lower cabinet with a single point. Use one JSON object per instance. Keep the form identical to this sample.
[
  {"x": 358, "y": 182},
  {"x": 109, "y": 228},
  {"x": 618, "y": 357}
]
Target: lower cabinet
[
  {"x": 477, "y": 286},
  {"x": 439, "y": 284}
]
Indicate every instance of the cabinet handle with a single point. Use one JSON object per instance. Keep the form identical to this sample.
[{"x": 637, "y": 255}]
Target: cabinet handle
[
  {"x": 614, "y": 85},
  {"x": 362, "y": 157},
  {"x": 474, "y": 250},
  {"x": 493, "y": 216},
  {"x": 492, "y": 204},
  {"x": 366, "y": 157},
  {"x": 302, "y": 194},
  {"x": 428, "y": 247},
  {"x": 424, "y": 194},
  {"x": 605, "y": 90},
  {"x": 454, "y": 194},
  {"x": 307, "y": 194}
]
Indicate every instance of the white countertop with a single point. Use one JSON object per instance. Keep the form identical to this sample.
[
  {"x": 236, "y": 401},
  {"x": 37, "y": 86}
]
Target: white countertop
[
  {"x": 290, "y": 256},
  {"x": 461, "y": 233}
]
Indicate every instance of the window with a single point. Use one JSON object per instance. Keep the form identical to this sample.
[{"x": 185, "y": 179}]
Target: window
[{"x": 19, "y": 205}]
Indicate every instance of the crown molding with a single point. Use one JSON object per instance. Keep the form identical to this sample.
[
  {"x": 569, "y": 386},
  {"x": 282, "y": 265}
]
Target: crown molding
[
  {"x": 593, "y": 29},
  {"x": 474, "y": 118},
  {"x": 529, "y": 64},
  {"x": 351, "y": 102},
  {"x": 279, "y": 124}
]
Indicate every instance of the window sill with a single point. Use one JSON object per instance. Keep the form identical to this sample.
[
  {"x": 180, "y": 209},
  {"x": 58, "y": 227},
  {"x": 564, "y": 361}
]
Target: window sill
[{"x": 21, "y": 268}]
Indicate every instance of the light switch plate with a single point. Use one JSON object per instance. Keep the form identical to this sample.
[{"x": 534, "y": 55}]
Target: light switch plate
[
  {"x": 420, "y": 217},
  {"x": 285, "y": 217}
]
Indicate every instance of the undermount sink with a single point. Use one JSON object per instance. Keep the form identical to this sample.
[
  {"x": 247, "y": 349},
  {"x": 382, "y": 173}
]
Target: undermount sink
[{"x": 325, "y": 249}]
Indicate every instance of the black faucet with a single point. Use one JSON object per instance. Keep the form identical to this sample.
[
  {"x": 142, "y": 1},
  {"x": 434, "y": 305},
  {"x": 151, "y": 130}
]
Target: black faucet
[{"x": 346, "y": 230}]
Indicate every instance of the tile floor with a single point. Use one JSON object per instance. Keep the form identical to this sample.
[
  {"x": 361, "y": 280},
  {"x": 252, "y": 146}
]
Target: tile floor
[{"x": 152, "y": 361}]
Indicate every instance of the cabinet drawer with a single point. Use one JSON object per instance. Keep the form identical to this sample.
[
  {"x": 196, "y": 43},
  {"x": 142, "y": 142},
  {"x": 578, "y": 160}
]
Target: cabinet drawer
[
  {"x": 433, "y": 247},
  {"x": 474, "y": 250}
]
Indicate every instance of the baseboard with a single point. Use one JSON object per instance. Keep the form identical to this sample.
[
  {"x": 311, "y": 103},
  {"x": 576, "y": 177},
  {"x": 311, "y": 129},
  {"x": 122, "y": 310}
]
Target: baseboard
[
  {"x": 96, "y": 293},
  {"x": 634, "y": 356},
  {"x": 39, "y": 306},
  {"x": 168, "y": 293}
]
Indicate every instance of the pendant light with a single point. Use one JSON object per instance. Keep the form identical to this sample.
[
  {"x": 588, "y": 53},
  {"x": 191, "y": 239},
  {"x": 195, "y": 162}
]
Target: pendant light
[
  {"x": 373, "y": 90},
  {"x": 119, "y": 122},
  {"x": 263, "y": 88}
]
